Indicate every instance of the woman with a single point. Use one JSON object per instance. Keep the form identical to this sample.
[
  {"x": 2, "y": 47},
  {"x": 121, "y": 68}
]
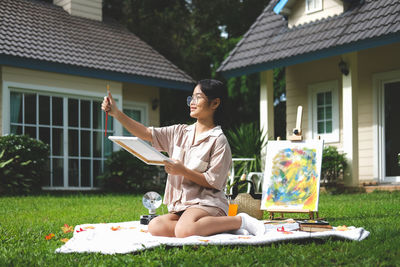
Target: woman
[{"x": 197, "y": 174}]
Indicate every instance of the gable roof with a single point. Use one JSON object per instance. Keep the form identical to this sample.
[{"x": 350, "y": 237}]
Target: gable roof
[
  {"x": 43, "y": 36},
  {"x": 269, "y": 43}
]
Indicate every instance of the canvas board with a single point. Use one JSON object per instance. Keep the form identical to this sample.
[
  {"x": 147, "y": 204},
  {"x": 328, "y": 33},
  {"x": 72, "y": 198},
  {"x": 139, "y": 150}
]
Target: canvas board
[
  {"x": 140, "y": 149},
  {"x": 292, "y": 176}
]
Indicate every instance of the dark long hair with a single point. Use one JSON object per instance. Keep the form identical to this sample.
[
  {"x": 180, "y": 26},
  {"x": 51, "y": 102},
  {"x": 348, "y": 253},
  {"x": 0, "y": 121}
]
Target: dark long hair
[{"x": 215, "y": 89}]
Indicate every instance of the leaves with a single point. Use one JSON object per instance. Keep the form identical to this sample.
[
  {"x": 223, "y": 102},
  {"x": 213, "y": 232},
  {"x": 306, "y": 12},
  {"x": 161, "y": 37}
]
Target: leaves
[
  {"x": 67, "y": 229},
  {"x": 246, "y": 141},
  {"x": 49, "y": 236}
]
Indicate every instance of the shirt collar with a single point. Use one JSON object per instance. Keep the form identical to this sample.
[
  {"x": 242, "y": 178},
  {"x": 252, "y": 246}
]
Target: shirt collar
[{"x": 216, "y": 131}]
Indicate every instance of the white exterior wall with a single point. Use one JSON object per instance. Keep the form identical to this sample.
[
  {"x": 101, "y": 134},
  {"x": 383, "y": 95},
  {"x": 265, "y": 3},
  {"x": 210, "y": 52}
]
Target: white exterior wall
[
  {"x": 298, "y": 79},
  {"x": 371, "y": 62},
  {"x": 299, "y": 16},
  {"x": 144, "y": 95},
  {"x": 47, "y": 82},
  {"x": 91, "y": 9}
]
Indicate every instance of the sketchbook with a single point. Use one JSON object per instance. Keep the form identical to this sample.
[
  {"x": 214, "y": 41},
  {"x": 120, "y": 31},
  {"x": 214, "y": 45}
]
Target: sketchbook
[{"x": 140, "y": 149}]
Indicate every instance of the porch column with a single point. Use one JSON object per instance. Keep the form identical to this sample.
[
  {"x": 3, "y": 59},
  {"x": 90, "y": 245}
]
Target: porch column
[
  {"x": 266, "y": 107},
  {"x": 350, "y": 118}
]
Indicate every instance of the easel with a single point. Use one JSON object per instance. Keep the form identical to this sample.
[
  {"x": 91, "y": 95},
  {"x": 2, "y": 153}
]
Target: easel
[{"x": 296, "y": 136}]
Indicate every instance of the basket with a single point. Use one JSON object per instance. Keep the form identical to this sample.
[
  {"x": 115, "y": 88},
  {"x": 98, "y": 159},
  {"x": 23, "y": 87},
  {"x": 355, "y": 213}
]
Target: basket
[{"x": 249, "y": 203}]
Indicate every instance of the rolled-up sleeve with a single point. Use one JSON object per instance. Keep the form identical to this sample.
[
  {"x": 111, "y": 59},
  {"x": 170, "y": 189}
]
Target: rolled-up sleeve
[
  {"x": 162, "y": 137},
  {"x": 220, "y": 164}
]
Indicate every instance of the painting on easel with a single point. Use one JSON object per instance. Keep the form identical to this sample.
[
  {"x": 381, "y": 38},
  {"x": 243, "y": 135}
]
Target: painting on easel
[{"x": 292, "y": 175}]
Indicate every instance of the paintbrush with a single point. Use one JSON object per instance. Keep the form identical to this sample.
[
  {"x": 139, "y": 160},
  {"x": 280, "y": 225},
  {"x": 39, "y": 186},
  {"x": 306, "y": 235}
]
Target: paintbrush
[{"x": 108, "y": 101}]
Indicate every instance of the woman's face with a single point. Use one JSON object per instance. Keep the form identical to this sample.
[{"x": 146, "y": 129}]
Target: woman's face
[{"x": 200, "y": 107}]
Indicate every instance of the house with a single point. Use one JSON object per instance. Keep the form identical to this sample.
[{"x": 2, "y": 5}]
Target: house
[
  {"x": 342, "y": 63},
  {"x": 56, "y": 61}
]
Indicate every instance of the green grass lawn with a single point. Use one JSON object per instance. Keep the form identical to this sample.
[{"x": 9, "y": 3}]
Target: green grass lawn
[{"x": 25, "y": 221}]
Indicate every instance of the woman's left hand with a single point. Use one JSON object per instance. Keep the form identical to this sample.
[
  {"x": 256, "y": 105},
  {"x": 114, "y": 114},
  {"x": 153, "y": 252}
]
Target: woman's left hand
[{"x": 174, "y": 167}]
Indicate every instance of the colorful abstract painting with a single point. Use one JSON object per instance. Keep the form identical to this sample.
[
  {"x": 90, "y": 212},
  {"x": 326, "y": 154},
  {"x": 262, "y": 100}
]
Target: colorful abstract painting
[{"x": 292, "y": 175}]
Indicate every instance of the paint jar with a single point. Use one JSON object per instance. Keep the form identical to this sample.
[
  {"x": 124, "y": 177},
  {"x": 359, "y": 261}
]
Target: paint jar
[{"x": 232, "y": 211}]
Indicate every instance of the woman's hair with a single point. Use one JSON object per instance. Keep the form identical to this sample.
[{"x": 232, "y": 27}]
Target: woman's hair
[{"x": 215, "y": 89}]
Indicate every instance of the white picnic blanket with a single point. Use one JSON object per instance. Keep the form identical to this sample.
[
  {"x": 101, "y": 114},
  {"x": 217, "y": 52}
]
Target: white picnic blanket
[{"x": 127, "y": 237}]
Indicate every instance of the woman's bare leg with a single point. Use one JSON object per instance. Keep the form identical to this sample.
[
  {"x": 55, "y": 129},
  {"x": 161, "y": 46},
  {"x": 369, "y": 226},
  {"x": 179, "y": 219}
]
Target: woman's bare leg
[
  {"x": 163, "y": 225},
  {"x": 195, "y": 221}
]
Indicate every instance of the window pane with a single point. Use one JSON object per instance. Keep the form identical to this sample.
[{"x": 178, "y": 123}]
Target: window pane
[
  {"x": 107, "y": 147},
  {"x": 320, "y": 115},
  {"x": 73, "y": 112},
  {"x": 85, "y": 173},
  {"x": 16, "y": 107},
  {"x": 31, "y": 132},
  {"x": 96, "y": 172},
  {"x": 134, "y": 114},
  {"x": 58, "y": 140},
  {"x": 44, "y": 110},
  {"x": 73, "y": 145},
  {"x": 16, "y": 129},
  {"x": 97, "y": 115},
  {"x": 328, "y": 98},
  {"x": 97, "y": 140},
  {"x": 321, "y": 127},
  {"x": 30, "y": 108},
  {"x": 320, "y": 99},
  {"x": 85, "y": 143},
  {"x": 85, "y": 114},
  {"x": 328, "y": 126},
  {"x": 46, "y": 176},
  {"x": 44, "y": 134},
  {"x": 57, "y": 106},
  {"x": 110, "y": 123},
  {"x": 73, "y": 172},
  {"x": 58, "y": 172},
  {"x": 328, "y": 113}
]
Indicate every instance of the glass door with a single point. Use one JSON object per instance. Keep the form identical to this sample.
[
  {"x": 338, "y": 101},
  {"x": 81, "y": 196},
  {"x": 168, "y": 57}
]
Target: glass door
[{"x": 391, "y": 131}]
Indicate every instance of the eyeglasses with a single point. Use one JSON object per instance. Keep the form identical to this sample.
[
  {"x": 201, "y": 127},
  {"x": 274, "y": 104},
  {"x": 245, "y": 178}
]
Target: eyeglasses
[{"x": 194, "y": 98}]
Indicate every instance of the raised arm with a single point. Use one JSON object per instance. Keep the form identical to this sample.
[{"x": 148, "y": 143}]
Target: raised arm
[{"x": 134, "y": 127}]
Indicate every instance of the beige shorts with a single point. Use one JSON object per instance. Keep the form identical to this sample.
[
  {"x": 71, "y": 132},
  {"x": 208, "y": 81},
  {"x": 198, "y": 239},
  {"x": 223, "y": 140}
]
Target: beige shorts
[{"x": 212, "y": 211}]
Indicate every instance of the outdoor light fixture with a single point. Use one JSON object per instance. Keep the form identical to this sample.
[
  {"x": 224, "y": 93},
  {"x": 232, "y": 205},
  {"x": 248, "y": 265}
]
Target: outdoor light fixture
[
  {"x": 154, "y": 103},
  {"x": 344, "y": 69}
]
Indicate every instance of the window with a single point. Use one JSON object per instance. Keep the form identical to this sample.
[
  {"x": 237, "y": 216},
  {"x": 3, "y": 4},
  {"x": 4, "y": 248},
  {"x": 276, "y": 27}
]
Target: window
[
  {"x": 324, "y": 111},
  {"x": 313, "y": 6},
  {"x": 136, "y": 111},
  {"x": 73, "y": 128}
]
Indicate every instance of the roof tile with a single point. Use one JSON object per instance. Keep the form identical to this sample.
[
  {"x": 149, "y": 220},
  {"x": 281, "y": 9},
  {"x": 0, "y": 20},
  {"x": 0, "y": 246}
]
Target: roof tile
[
  {"x": 269, "y": 39},
  {"x": 42, "y": 31}
]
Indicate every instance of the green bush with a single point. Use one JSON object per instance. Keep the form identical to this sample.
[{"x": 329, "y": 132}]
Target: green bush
[
  {"x": 23, "y": 164},
  {"x": 246, "y": 141},
  {"x": 126, "y": 173},
  {"x": 333, "y": 165}
]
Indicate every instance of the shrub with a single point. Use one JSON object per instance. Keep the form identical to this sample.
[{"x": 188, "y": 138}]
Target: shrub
[
  {"x": 126, "y": 173},
  {"x": 23, "y": 164},
  {"x": 246, "y": 141},
  {"x": 333, "y": 165}
]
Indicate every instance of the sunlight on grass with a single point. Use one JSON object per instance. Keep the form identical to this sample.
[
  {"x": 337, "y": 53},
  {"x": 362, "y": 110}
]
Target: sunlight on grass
[{"x": 25, "y": 222}]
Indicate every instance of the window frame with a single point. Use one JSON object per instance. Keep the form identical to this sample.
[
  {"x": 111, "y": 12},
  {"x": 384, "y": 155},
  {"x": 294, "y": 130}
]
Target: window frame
[
  {"x": 313, "y": 90},
  {"x": 140, "y": 106},
  {"x": 319, "y": 6},
  {"x": 65, "y": 94}
]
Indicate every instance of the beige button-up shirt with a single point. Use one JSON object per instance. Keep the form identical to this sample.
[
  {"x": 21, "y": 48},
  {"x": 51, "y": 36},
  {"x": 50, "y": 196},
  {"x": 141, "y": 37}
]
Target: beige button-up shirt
[{"x": 209, "y": 154}]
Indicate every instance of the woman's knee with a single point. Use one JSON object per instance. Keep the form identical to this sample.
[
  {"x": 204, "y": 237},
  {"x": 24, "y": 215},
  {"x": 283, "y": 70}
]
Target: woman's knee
[
  {"x": 184, "y": 230},
  {"x": 160, "y": 227}
]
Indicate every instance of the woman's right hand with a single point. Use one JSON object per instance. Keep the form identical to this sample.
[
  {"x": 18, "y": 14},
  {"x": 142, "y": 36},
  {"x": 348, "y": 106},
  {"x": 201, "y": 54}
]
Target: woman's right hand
[{"x": 109, "y": 105}]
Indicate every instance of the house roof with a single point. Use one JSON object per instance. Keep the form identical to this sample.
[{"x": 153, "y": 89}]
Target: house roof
[
  {"x": 269, "y": 43},
  {"x": 40, "y": 35}
]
